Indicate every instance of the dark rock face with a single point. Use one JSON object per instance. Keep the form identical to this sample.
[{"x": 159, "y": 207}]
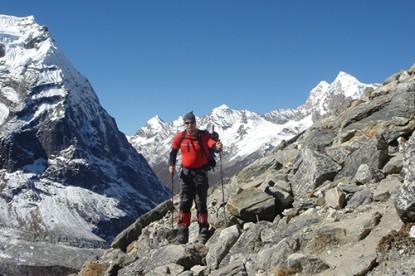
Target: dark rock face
[
  {"x": 20, "y": 149},
  {"x": 2, "y": 51}
]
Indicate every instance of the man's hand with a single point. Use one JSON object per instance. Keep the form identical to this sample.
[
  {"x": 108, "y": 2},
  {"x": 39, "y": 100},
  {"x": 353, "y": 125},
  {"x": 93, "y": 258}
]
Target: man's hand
[
  {"x": 171, "y": 169},
  {"x": 219, "y": 146}
]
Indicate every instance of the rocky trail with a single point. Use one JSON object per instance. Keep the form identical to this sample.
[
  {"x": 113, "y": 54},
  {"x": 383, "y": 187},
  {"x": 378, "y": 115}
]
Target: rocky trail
[{"x": 337, "y": 199}]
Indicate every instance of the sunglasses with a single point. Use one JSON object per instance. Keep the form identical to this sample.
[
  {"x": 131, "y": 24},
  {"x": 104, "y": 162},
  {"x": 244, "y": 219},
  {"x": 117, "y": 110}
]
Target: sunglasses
[{"x": 189, "y": 122}]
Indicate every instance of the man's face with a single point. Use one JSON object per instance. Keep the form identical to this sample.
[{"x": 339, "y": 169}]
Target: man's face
[{"x": 190, "y": 126}]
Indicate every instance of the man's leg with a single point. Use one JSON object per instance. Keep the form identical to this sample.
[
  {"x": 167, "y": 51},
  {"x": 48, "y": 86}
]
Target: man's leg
[
  {"x": 186, "y": 200},
  {"x": 202, "y": 186}
]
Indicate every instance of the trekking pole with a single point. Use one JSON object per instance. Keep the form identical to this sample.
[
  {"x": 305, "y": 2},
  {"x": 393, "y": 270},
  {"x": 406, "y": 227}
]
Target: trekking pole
[
  {"x": 223, "y": 191},
  {"x": 172, "y": 194}
]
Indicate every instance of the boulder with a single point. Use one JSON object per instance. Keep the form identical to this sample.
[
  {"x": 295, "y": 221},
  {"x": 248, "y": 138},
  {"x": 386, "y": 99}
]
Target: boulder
[
  {"x": 366, "y": 174},
  {"x": 306, "y": 263},
  {"x": 221, "y": 247},
  {"x": 405, "y": 201},
  {"x": 372, "y": 152},
  {"x": 394, "y": 165},
  {"x": 131, "y": 233},
  {"x": 315, "y": 169},
  {"x": 335, "y": 198},
  {"x": 186, "y": 256},
  {"x": 252, "y": 205}
]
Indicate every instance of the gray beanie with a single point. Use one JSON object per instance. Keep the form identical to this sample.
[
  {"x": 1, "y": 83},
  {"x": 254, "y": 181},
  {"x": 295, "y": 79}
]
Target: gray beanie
[{"x": 189, "y": 117}]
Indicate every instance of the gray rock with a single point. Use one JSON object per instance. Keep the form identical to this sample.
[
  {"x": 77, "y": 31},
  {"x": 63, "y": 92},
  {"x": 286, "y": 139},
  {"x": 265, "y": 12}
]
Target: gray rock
[
  {"x": 306, "y": 263},
  {"x": 168, "y": 269},
  {"x": 281, "y": 191},
  {"x": 382, "y": 197},
  {"x": 221, "y": 247},
  {"x": 234, "y": 269},
  {"x": 360, "y": 198},
  {"x": 363, "y": 264},
  {"x": 366, "y": 174},
  {"x": 349, "y": 187},
  {"x": 405, "y": 201},
  {"x": 335, "y": 198},
  {"x": 252, "y": 205},
  {"x": 394, "y": 165},
  {"x": 372, "y": 152},
  {"x": 412, "y": 232},
  {"x": 199, "y": 270},
  {"x": 287, "y": 156},
  {"x": 317, "y": 139},
  {"x": 277, "y": 255},
  {"x": 338, "y": 153},
  {"x": 315, "y": 169},
  {"x": 185, "y": 256},
  {"x": 249, "y": 242},
  {"x": 132, "y": 232}
]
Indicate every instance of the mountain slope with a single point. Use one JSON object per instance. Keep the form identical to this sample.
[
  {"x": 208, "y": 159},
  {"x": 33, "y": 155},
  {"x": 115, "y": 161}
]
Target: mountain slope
[
  {"x": 337, "y": 199},
  {"x": 67, "y": 174},
  {"x": 248, "y": 135}
]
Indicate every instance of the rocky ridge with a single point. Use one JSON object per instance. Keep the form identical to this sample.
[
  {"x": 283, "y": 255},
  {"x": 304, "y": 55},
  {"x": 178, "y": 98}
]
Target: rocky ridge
[{"x": 336, "y": 199}]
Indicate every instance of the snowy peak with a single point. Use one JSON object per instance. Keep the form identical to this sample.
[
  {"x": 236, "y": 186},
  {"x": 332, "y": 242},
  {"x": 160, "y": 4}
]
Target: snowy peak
[
  {"x": 26, "y": 45},
  {"x": 348, "y": 85},
  {"x": 153, "y": 126},
  {"x": 317, "y": 93},
  {"x": 220, "y": 109},
  {"x": 65, "y": 168},
  {"x": 334, "y": 97},
  {"x": 30, "y": 57},
  {"x": 156, "y": 123}
]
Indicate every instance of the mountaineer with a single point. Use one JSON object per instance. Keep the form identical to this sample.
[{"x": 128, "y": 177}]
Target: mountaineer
[{"x": 195, "y": 146}]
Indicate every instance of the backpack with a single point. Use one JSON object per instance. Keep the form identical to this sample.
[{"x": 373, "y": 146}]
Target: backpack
[{"x": 211, "y": 157}]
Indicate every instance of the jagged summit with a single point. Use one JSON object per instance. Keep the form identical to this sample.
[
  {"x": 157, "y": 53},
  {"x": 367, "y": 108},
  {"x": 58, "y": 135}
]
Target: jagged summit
[
  {"x": 331, "y": 98},
  {"x": 221, "y": 108},
  {"x": 156, "y": 123},
  {"x": 348, "y": 84}
]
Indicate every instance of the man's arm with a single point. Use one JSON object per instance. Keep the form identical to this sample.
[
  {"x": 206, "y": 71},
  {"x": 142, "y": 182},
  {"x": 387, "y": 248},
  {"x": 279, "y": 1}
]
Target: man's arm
[{"x": 172, "y": 160}]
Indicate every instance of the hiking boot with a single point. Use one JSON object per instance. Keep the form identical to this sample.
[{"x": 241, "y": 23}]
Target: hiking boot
[
  {"x": 203, "y": 234},
  {"x": 182, "y": 235}
]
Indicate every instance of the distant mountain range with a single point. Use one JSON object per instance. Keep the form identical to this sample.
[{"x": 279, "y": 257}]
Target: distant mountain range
[{"x": 249, "y": 135}]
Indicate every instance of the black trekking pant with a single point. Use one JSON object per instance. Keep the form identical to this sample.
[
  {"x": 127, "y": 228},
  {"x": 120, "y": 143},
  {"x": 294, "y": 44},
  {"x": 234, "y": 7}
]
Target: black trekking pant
[{"x": 194, "y": 187}]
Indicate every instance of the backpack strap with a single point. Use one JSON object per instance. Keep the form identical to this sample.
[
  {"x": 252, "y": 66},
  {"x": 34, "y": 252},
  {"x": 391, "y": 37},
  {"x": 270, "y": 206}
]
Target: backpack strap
[
  {"x": 182, "y": 137},
  {"x": 199, "y": 138}
]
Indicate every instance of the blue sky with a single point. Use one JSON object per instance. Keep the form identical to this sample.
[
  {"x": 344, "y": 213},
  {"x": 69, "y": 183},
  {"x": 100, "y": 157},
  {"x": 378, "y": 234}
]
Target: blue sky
[{"x": 169, "y": 57}]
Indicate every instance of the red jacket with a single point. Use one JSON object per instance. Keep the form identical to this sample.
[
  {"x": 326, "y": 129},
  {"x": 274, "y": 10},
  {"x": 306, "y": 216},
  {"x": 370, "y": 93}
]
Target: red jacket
[{"x": 192, "y": 155}]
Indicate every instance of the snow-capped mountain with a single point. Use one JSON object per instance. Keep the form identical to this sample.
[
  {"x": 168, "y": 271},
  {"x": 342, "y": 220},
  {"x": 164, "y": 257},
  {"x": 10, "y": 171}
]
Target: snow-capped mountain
[
  {"x": 249, "y": 135},
  {"x": 67, "y": 174},
  {"x": 332, "y": 98}
]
